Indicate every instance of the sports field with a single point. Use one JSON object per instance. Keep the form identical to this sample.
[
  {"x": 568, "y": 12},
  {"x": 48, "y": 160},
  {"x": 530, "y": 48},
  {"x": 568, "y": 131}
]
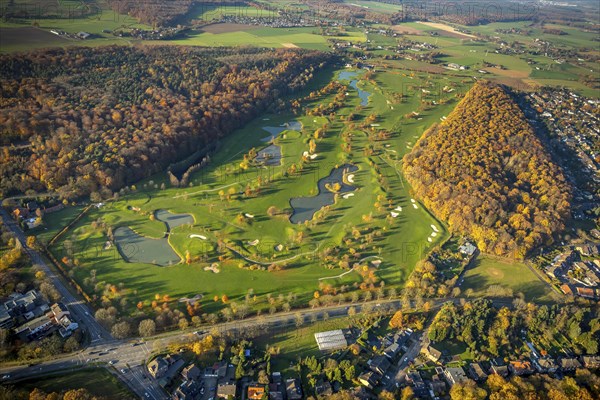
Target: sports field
[
  {"x": 488, "y": 271},
  {"x": 233, "y": 241}
]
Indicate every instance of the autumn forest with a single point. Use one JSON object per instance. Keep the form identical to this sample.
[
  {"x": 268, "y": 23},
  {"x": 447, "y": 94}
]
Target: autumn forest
[
  {"x": 485, "y": 172},
  {"x": 89, "y": 121}
]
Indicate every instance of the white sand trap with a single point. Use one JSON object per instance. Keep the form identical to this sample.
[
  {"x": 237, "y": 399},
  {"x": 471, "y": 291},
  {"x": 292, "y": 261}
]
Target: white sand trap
[
  {"x": 193, "y": 235},
  {"x": 313, "y": 156},
  {"x": 376, "y": 263},
  {"x": 314, "y": 120},
  {"x": 415, "y": 206},
  {"x": 434, "y": 228},
  {"x": 391, "y": 107},
  {"x": 433, "y": 234},
  {"x": 348, "y": 195},
  {"x": 394, "y": 214},
  {"x": 413, "y": 201},
  {"x": 408, "y": 147},
  {"x": 265, "y": 119},
  {"x": 305, "y": 154},
  {"x": 398, "y": 208},
  {"x": 351, "y": 178},
  {"x": 249, "y": 215},
  {"x": 429, "y": 239},
  {"x": 254, "y": 242}
]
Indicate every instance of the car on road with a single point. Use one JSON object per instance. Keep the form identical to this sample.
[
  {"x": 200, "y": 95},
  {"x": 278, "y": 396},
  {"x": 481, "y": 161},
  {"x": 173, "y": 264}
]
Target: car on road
[
  {"x": 86, "y": 313},
  {"x": 7, "y": 376},
  {"x": 111, "y": 362},
  {"x": 147, "y": 394},
  {"x": 123, "y": 370}
]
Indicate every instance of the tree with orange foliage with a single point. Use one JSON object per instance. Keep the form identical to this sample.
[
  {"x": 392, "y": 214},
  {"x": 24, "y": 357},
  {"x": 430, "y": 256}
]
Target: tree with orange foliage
[{"x": 397, "y": 321}]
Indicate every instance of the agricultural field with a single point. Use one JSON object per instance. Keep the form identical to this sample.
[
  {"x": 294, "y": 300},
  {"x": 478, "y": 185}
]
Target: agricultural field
[
  {"x": 488, "y": 271},
  {"x": 238, "y": 235},
  {"x": 31, "y": 33},
  {"x": 375, "y": 6},
  {"x": 257, "y": 36}
]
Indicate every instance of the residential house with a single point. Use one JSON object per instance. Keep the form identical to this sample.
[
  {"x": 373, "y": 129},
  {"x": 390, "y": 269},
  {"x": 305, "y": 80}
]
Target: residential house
[
  {"x": 323, "y": 388},
  {"x": 520, "y": 367},
  {"x": 415, "y": 381},
  {"x": 432, "y": 353},
  {"x": 158, "y": 367},
  {"x": 188, "y": 390},
  {"x": 37, "y": 328},
  {"x": 255, "y": 392},
  {"x": 455, "y": 375},
  {"x": 591, "y": 362},
  {"x": 191, "y": 373},
  {"x": 545, "y": 365},
  {"x": 293, "y": 389},
  {"x": 501, "y": 370},
  {"x": 476, "y": 372},
  {"x": 392, "y": 351},
  {"x": 379, "y": 364},
  {"x": 569, "y": 364},
  {"x": 226, "y": 390},
  {"x": 437, "y": 387},
  {"x": 468, "y": 249},
  {"x": 275, "y": 391},
  {"x": 588, "y": 250},
  {"x": 369, "y": 379},
  {"x": 566, "y": 289}
]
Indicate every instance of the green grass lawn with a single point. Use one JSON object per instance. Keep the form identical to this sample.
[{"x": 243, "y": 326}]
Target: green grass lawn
[
  {"x": 297, "y": 342},
  {"x": 97, "y": 381},
  {"x": 54, "y": 222},
  {"x": 489, "y": 271},
  {"x": 400, "y": 247}
]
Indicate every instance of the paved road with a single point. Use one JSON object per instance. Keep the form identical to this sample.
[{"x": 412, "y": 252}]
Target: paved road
[
  {"x": 79, "y": 309},
  {"x": 128, "y": 357}
]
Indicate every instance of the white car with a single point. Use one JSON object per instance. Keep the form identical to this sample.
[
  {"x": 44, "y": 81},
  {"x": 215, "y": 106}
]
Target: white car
[{"x": 147, "y": 394}]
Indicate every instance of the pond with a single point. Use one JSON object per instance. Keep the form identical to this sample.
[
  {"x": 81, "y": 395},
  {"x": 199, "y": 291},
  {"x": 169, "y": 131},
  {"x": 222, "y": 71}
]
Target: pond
[
  {"x": 141, "y": 249},
  {"x": 306, "y": 207},
  {"x": 173, "y": 220},
  {"x": 270, "y": 155},
  {"x": 348, "y": 75},
  {"x": 136, "y": 248},
  {"x": 276, "y": 130}
]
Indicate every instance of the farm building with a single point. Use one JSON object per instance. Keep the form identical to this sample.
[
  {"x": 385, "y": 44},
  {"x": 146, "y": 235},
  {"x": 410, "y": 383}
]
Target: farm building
[{"x": 331, "y": 340}]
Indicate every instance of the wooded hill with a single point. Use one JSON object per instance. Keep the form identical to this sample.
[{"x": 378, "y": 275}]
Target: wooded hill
[
  {"x": 91, "y": 120},
  {"x": 486, "y": 173}
]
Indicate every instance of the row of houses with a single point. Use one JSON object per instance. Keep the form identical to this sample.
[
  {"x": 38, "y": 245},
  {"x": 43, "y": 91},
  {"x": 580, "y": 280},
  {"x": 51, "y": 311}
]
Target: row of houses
[
  {"x": 378, "y": 366},
  {"x": 577, "y": 276},
  {"x": 57, "y": 319},
  {"x": 219, "y": 382}
]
